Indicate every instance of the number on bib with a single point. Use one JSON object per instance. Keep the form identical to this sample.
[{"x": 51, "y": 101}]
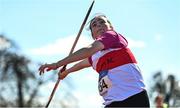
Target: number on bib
[{"x": 104, "y": 83}]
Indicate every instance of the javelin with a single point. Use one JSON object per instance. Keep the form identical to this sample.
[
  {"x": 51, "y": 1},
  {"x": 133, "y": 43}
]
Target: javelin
[{"x": 72, "y": 49}]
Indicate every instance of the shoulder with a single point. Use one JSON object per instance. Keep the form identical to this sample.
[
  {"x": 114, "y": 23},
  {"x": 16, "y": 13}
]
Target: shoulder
[
  {"x": 112, "y": 39},
  {"x": 107, "y": 36},
  {"x": 109, "y": 33}
]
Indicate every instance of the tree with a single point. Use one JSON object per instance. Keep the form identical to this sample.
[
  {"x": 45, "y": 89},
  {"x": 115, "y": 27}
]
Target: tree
[{"x": 17, "y": 78}]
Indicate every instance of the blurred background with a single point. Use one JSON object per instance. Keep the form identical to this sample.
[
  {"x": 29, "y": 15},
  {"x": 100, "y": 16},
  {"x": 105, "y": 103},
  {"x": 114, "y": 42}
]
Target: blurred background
[{"x": 33, "y": 32}]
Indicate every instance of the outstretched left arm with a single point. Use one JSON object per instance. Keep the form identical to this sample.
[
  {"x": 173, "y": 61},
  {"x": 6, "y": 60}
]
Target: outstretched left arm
[{"x": 76, "y": 56}]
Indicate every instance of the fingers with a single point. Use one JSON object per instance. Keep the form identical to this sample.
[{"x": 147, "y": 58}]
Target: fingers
[
  {"x": 42, "y": 69},
  {"x": 47, "y": 67}
]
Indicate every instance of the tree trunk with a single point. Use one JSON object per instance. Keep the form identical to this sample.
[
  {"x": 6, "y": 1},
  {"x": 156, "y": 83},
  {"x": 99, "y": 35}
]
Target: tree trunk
[
  {"x": 20, "y": 93},
  {"x": 19, "y": 77}
]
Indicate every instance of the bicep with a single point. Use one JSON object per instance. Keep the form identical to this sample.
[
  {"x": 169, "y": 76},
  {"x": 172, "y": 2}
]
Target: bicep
[{"x": 93, "y": 48}]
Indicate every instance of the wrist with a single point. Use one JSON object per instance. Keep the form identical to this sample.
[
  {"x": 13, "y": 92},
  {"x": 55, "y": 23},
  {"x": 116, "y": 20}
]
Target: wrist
[
  {"x": 67, "y": 71},
  {"x": 57, "y": 65}
]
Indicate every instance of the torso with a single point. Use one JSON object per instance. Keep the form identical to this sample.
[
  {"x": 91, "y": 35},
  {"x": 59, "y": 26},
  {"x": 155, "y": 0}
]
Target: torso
[{"x": 119, "y": 75}]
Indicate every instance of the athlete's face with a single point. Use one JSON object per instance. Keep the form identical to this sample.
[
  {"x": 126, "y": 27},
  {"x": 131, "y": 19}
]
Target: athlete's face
[{"x": 99, "y": 25}]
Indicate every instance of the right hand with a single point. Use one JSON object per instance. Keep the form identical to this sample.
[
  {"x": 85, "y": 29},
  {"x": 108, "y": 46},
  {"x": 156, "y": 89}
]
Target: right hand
[
  {"x": 63, "y": 74},
  {"x": 47, "y": 67}
]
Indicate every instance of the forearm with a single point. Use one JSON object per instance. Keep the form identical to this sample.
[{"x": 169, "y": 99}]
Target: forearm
[
  {"x": 78, "y": 55},
  {"x": 81, "y": 54},
  {"x": 81, "y": 65},
  {"x": 74, "y": 68}
]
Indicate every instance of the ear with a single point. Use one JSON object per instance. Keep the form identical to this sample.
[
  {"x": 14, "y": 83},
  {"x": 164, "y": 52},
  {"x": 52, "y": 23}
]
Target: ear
[{"x": 92, "y": 35}]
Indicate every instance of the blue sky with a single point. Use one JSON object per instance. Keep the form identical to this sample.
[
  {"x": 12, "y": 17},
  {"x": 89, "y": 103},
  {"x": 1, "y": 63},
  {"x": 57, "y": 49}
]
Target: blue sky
[{"x": 46, "y": 29}]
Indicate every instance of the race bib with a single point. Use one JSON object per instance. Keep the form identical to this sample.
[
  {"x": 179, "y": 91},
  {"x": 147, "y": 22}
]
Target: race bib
[{"x": 104, "y": 82}]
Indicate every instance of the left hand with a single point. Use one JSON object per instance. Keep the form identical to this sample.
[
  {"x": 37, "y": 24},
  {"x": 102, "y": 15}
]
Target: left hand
[
  {"x": 63, "y": 74},
  {"x": 47, "y": 67}
]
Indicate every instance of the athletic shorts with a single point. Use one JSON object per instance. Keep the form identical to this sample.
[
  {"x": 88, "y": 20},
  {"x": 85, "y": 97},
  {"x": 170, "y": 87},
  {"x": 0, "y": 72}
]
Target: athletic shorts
[{"x": 138, "y": 100}]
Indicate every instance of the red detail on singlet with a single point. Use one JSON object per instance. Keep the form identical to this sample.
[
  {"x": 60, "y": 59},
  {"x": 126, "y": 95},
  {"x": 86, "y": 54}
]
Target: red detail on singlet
[{"x": 115, "y": 58}]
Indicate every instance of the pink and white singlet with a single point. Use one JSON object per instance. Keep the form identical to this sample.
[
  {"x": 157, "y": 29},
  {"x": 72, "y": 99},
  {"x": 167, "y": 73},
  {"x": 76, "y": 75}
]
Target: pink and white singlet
[{"x": 119, "y": 74}]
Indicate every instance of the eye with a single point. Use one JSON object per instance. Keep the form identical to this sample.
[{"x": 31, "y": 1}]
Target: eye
[
  {"x": 102, "y": 22},
  {"x": 94, "y": 25}
]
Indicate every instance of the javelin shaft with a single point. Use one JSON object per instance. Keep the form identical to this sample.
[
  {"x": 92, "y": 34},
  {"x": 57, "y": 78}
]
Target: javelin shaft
[
  {"x": 82, "y": 26},
  {"x": 72, "y": 49}
]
